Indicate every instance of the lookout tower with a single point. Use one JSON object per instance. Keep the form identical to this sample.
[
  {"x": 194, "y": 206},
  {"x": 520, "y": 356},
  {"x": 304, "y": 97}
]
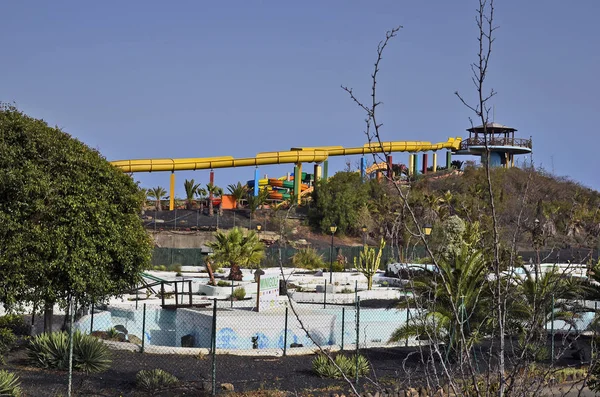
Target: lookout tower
[{"x": 501, "y": 142}]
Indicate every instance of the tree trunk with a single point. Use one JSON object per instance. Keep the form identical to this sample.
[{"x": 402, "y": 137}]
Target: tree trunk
[
  {"x": 48, "y": 317},
  {"x": 211, "y": 210},
  {"x": 211, "y": 274},
  {"x": 235, "y": 274},
  {"x": 370, "y": 283}
]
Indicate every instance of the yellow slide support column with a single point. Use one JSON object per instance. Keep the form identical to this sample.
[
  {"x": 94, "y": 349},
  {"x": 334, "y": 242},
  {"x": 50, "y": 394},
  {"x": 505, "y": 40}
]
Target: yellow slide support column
[
  {"x": 434, "y": 161},
  {"x": 317, "y": 173},
  {"x": 410, "y": 164},
  {"x": 172, "y": 192},
  {"x": 297, "y": 181}
]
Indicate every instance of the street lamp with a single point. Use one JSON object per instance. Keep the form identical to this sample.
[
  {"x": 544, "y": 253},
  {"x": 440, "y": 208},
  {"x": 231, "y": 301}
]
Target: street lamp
[
  {"x": 427, "y": 229},
  {"x": 258, "y": 227},
  {"x": 364, "y": 231},
  {"x": 332, "y": 228}
]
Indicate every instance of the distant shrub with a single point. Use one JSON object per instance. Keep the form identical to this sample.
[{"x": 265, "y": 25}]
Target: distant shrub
[
  {"x": 223, "y": 283},
  {"x": 16, "y": 323},
  {"x": 7, "y": 340},
  {"x": 308, "y": 258},
  {"x": 154, "y": 380},
  {"x": 239, "y": 293}
]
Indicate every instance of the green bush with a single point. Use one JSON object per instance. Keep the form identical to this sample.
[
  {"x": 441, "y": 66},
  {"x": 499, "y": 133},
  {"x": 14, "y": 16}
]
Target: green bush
[
  {"x": 52, "y": 351},
  {"x": 323, "y": 366},
  {"x": 7, "y": 340},
  {"x": 16, "y": 323},
  {"x": 9, "y": 384},
  {"x": 154, "y": 380},
  {"x": 308, "y": 258},
  {"x": 223, "y": 283},
  {"x": 239, "y": 293}
]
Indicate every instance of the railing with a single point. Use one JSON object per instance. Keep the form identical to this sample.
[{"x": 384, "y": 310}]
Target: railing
[{"x": 505, "y": 141}]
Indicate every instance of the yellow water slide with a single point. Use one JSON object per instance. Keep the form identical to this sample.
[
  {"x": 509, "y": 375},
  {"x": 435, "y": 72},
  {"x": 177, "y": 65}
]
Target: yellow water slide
[{"x": 293, "y": 156}]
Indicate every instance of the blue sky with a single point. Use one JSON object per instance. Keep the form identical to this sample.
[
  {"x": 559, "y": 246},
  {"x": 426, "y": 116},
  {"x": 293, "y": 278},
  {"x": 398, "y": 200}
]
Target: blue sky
[{"x": 147, "y": 79}]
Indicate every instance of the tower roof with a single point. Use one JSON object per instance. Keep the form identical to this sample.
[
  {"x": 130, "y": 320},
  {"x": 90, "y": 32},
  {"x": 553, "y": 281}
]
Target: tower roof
[{"x": 492, "y": 128}]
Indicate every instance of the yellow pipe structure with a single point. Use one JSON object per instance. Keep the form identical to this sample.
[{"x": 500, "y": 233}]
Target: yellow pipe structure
[
  {"x": 293, "y": 156},
  {"x": 172, "y": 194},
  {"x": 385, "y": 147}
]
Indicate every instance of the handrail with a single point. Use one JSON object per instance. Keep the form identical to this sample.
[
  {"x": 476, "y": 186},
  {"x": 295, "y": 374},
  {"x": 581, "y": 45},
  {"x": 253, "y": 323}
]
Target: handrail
[{"x": 493, "y": 141}]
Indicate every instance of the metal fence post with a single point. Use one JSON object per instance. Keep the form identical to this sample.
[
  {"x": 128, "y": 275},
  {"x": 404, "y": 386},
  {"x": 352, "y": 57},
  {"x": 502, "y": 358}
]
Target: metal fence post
[
  {"x": 325, "y": 295},
  {"x": 143, "y": 327},
  {"x": 285, "y": 331},
  {"x": 552, "y": 331},
  {"x": 213, "y": 346},
  {"x": 357, "y": 334},
  {"x": 71, "y": 317},
  {"x": 92, "y": 319},
  {"x": 343, "y": 325},
  {"x": 355, "y": 291},
  {"x": 162, "y": 292},
  {"x": 231, "y": 298}
]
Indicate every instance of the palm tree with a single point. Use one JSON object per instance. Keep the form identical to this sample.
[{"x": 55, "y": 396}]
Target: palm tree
[
  {"x": 236, "y": 249},
  {"x": 157, "y": 193},
  {"x": 238, "y": 192},
  {"x": 201, "y": 193},
  {"x": 212, "y": 190},
  {"x": 190, "y": 191},
  {"x": 533, "y": 306},
  {"x": 455, "y": 298}
]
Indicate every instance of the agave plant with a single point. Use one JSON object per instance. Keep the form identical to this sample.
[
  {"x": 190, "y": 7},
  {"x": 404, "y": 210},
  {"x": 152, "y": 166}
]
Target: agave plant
[
  {"x": 154, "y": 380},
  {"x": 51, "y": 350},
  {"x": 9, "y": 384}
]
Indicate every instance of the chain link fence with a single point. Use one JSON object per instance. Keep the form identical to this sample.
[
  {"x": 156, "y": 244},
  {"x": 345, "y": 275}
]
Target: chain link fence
[{"x": 169, "y": 321}]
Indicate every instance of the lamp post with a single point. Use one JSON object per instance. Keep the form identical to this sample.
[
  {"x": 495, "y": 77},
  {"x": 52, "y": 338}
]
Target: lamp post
[
  {"x": 258, "y": 227},
  {"x": 364, "y": 233},
  {"x": 332, "y": 228}
]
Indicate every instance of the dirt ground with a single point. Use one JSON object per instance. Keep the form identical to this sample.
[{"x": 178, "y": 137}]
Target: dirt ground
[{"x": 291, "y": 375}]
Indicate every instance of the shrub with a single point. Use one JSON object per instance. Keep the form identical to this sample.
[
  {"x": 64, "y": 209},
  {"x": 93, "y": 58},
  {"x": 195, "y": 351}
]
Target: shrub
[
  {"x": 52, "y": 351},
  {"x": 9, "y": 384},
  {"x": 308, "y": 258},
  {"x": 7, "y": 340},
  {"x": 154, "y": 380},
  {"x": 323, "y": 366},
  {"x": 16, "y": 323},
  {"x": 223, "y": 283},
  {"x": 239, "y": 293},
  {"x": 112, "y": 334}
]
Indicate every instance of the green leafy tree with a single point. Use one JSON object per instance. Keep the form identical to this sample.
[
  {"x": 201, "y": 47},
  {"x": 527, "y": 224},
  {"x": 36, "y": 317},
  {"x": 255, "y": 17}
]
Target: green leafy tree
[
  {"x": 339, "y": 200},
  {"x": 236, "y": 249},
  {"x": 70, "y": 220},
  {"x": 238, "y": 192},
  {"x": 191, "y": 189},
  {"x": 368, "y": 262},
  {"x": 157, "y": 194}
]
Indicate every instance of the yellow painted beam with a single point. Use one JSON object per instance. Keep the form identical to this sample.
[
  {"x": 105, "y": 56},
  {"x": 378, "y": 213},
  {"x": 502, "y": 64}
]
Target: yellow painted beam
[{"x": 172, "y": 192}]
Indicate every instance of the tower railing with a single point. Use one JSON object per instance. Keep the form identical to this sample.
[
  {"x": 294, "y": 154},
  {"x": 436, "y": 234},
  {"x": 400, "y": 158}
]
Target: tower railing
[{"x": 496, "y": 141}]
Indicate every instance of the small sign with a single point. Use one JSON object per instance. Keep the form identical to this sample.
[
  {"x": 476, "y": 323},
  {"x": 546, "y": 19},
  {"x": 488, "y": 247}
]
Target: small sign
[{"x": 268, "y": 292}]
